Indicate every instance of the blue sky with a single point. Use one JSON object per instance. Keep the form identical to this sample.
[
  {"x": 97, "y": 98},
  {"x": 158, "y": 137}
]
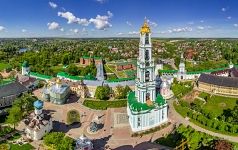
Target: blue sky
[{"x": 118, "y": 18}]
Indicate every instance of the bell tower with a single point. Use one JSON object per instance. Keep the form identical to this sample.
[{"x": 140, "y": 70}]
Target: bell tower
[{"x": 145, "y": 83}]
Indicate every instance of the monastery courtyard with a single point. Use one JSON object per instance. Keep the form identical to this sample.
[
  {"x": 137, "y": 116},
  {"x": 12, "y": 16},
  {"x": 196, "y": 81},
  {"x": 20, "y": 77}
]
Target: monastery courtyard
[{"x": 115, "y": 130}]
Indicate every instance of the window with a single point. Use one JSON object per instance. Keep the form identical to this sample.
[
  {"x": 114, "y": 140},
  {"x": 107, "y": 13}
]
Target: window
[
  {"x": 138, "y": 122},
  {"x": 147, "y": 55},
  {"x": 146, "y": 38},
  {"x": 162, "y": 114},
  {"x": 147, "y": 76},
  {"x": 147, "y": 96}
]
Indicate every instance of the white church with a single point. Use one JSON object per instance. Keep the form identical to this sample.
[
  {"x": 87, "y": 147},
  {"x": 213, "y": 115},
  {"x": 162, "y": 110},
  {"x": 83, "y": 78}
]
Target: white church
[{"x": 146, "y": 108}]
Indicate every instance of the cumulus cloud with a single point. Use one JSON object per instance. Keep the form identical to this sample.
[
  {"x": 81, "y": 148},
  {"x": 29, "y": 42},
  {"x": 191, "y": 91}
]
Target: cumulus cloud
[
  {"x": 200, "y": 27},
  {"x": 102, "y": 22},
  {"x": 74, "y": 30},
  {"x": 23, "y": 30},
  {"x": 229, "y": 17},
  {"x": 53, "y": 5},
  {"x": 62, "y": 29},
  {"x": 73, "y": 19},
  {"x": 120, "y": 33},
  {"x": 53, "y": 25},
  {"x": 133, "y": 33},
  {"x": 235, "y": 25},
  {"x": 185, "y": 29},
  {"x": 153, "y": 24},
  {"x": 201, "y": 21},
  {"x": 2, "y": 28}
]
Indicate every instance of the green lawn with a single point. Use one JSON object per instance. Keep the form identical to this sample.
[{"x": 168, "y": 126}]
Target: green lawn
[
  {"x": 111, "y": 77},
  {"x": 58, "y": 68},
  {"x": 21, "y": 147},
  {"x": 181, "y": 88},
  {"x": 4, "y": 66},
  {"x": 107, "y": 69},
  {"x": 217, "y": 104}
]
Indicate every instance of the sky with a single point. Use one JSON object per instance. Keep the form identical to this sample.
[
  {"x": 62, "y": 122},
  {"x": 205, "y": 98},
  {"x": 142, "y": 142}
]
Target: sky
[{"x": 118, "y": 18}]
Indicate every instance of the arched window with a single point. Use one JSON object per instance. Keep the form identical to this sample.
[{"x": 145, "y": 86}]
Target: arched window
[
  {"x": 147, "y": 55},
  {"x": 146, "y": 38},
  {"x": 147, "y": 76},
  {"x": 147, "y": 96}
]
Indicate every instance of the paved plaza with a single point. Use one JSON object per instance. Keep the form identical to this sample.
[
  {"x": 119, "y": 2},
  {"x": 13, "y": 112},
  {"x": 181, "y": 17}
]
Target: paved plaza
[{"x": 114, "y": 134}]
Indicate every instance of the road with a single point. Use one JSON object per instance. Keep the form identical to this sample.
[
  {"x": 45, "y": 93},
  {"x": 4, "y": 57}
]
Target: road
[{"x": 177, "y": 118}]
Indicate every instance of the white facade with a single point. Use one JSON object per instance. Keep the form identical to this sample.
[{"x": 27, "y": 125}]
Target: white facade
[
  {"x": 145, "y": 89},
  {"x": 181, "y": 75},
  {"x": 25, "y": 70},
  {"x": 148, "y": 119},
  {"x": 38, "y": 123}
]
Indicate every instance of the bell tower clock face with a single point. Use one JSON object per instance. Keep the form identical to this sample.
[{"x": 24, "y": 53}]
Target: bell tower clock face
[{"x": 146, "y": 38}]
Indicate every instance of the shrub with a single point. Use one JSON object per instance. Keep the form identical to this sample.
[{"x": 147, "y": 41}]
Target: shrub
[{"x": 73, "y": 116}]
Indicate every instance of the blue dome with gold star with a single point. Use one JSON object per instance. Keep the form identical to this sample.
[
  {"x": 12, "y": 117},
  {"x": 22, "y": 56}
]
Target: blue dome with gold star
[{"x": 38, "y": 104}]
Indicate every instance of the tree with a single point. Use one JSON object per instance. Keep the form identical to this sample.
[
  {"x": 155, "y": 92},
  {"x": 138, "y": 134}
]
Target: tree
[
  {"x": 25, "y": 103},
  {"x": 72, "y": 69},
  {"x": 102, "y": 92},
  {"x": 119, "y": 92},
  {"x": 58, "y": 141},
  {"x": 15, "y": 116},
  {"x": 222, "y": 145},
  {"x": 73, "y": 116},
  {"x": 127, "y": 89}
]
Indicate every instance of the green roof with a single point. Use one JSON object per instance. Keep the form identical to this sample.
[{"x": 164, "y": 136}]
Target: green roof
[
  {"x": 86, "y": 57},
  {"x": 96, "y": 57},
  {"x": 66, "y": 75},
  {"x": 193, "y": 72},
  {"x": 40, "y": 76},
  {"x": 25, "y": 64},
  {"x": 138, "y": 106}
]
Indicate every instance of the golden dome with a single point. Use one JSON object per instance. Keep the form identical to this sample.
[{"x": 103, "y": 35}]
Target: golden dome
[{"x": 145, "y": 28}]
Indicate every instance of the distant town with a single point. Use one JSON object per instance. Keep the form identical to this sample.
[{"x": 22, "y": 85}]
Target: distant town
[{"x": 97, "y": 94}]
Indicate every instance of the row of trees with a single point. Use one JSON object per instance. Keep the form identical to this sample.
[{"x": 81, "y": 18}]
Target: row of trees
[
  {"x": 72, "y": 69},
  {"x": 213, "y": 123},
  {"x": 194, "y": 140},
  {"x": 223, "y": 123},
  {"x": 103, "y": 92}
]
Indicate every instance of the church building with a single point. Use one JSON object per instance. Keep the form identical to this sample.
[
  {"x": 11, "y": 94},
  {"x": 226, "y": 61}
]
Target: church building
[{"x": 146, "y": 108}]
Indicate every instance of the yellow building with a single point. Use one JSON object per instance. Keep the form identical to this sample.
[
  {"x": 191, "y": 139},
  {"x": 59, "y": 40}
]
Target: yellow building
[{"x": 218, "y": 84}]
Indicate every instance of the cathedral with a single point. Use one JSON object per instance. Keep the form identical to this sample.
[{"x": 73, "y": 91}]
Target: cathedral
[{"x": 146, "y": 108}]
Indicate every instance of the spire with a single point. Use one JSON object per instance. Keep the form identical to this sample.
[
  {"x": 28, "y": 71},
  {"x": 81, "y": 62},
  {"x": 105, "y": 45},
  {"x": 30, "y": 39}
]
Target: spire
[{"x": 145, "y": 28}]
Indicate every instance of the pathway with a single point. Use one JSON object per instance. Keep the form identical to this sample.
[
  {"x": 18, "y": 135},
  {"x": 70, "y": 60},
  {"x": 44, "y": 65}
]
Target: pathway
[{"x": 177, "y": 119}]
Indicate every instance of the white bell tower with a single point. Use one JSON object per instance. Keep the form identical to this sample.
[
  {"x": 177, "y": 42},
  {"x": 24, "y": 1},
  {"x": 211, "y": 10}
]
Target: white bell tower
[{"x": 145, "y": 83}]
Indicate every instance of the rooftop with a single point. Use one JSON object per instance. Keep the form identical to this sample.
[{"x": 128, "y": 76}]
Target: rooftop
[
  {"x": 219, "y": 80},
  {"x": 14, "y": 88},
  {"x": 138, "y": 106}
]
